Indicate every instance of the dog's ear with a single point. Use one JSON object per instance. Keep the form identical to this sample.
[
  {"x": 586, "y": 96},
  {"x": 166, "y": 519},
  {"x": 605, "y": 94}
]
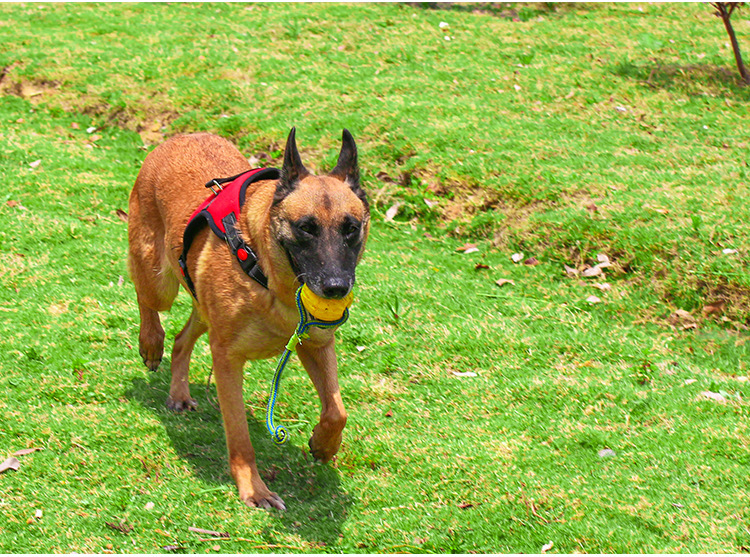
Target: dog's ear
[
  {"x": 293, "y": 170},
  {"x": 347, "y": 167}
]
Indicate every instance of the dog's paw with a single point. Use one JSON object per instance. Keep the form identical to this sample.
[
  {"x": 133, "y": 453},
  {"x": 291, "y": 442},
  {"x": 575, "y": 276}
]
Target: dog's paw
[
  {"x": 321, "y": 453},
  {"x": 181, "y": 405},
  {"x": 151, "y": 350},
  {"x": 270, "y": 501},
  {"x": 323, "y": 445},
  {"x": 152, "y": 363}
]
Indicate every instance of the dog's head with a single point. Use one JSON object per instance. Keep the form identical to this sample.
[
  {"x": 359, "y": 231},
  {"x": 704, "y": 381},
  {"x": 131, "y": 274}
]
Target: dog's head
[{"x": 321, "y": 222}]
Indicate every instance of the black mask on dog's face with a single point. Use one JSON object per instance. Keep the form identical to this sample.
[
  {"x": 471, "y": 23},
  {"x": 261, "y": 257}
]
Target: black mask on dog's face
[{"x": 322, "y": 221}]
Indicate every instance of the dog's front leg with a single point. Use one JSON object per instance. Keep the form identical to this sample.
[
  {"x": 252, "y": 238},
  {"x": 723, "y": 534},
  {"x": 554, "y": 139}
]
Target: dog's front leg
[
  {"x": 321, "y": 366},
  {"x": 252, "y": 490}
]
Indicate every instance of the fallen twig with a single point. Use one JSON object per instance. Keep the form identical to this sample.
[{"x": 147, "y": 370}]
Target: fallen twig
[{"x": 208, "y": 532}]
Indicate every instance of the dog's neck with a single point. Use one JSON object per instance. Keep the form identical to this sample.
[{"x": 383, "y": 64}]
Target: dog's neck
[{"x": 255, "y": 222}]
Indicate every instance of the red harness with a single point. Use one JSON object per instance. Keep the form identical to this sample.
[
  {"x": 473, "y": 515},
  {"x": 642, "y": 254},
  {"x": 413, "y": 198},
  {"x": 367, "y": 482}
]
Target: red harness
[{"x": 221, "y": 212}]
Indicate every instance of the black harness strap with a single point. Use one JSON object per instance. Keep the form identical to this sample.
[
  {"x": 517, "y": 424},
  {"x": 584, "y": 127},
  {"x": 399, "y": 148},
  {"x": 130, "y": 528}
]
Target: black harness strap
[{"x": 244, "y": 253}]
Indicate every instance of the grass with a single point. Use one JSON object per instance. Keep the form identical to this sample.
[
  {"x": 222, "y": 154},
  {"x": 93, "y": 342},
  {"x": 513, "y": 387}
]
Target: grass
[{"x": 505, "y": 460}]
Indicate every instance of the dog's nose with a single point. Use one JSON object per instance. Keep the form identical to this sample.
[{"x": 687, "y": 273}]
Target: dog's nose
[{"x": 335, "y": 288}]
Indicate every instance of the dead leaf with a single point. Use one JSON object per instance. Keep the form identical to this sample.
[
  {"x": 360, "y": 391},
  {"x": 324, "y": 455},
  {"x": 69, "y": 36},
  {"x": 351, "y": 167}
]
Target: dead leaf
[
  {"x": 593, "y": 299},
  {"x": 592, "y": 208},
  {"x": 35, "y": 163},
  {"x": 714, "y": 308},
  {"x": 75, "y": 126},
  {"x": 503, "y": 282},
  {"x": 95, "y": 137},
  {"x": 464, "y": 374},
  {"x": 690, "y": 381},
  {"x": 516, "y": 257},
  {"x": 23, "y": 452},
  {"x": 606, "y": 453},
  {"x": 682, "y": 319},
  {"x": 465, "y": 505},
  {"x": 122, "y": 215},
  {"x": 383, "y": 177},
  {"x": 570, "y": 94},
  {"x": 10, "y": 464},
  {"x": 591, "y": 272},
  {"x": 602, "y": 261},
  {"x": 392, "y": 212},
  {"x": 603, "y": 286},
  {"x": 389, "y": 414},
  {"x": 431, "y": 202},
  {"x": 38, "y": 514},
  {"x": 12, "y": 203},
  {"x": 570, "y": 271},
  {"x": 718, "y": 397},
  {"x": 531, "y": 261},
  {"x": 547, "y": 546},
  {"x": 728, "y": 251},
  {"x": 468, "y": 248},
  {"x": 123, "y": 527},
  {"x": 480, "y": 266}
]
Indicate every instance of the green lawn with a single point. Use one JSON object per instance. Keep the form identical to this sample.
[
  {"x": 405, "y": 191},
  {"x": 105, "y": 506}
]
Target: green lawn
[{"x": 483, "y": 418}]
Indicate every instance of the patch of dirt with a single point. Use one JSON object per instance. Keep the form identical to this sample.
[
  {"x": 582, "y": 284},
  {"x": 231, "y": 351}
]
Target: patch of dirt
[
  {"x": 505, "y": 10},
  {"x": 153, "y": 131},
  {"x": 149, "y": 121},
  {"x": 692, "y": 79},
  {"x": 34, "y": 90},
  {"x": 725, "y": 301},
  {"x": 6, "y": 70}
]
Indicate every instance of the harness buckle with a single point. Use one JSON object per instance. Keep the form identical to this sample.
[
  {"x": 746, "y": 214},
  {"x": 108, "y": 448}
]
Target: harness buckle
[{"x": 213, "y": 184}]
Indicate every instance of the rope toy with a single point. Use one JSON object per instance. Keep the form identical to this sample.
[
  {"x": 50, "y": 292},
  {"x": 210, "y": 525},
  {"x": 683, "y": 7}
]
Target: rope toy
[{"x": 314, "y": 311}]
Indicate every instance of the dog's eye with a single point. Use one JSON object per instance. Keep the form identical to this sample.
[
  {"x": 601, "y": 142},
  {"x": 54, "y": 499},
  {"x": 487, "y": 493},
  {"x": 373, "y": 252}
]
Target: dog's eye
[
  {"x": 350, "y": 229},
  {"x": 307, "y": 227}
]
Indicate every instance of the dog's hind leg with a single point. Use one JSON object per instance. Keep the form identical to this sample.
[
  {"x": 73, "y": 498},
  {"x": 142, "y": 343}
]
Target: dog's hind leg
[
  {"x": 155, "y": 283},
  {"x": 150, "y": 338},
  {"x": 179, "y": 391}
]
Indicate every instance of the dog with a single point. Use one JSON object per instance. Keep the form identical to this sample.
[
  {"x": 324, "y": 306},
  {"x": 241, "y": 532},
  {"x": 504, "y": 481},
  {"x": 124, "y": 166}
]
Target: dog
[{"x": 299, "y": 227}]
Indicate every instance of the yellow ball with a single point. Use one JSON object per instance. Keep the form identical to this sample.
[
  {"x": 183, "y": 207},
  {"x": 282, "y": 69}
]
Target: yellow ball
[{"x": 323, "y": 308}]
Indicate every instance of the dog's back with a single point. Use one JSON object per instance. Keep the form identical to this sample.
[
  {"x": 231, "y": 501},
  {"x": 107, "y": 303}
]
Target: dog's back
[{"x": 169, "y": 186}]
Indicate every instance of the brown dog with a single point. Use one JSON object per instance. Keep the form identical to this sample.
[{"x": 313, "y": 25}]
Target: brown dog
[{"x": 303, "y": 228}]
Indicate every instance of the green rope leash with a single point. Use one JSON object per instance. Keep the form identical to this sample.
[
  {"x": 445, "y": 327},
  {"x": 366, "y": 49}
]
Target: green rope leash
[{"x": 306, "y": 320}]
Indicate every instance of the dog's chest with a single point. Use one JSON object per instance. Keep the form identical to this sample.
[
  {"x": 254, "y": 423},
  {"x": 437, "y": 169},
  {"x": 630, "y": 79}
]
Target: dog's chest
[{"x": 265, "y": 336}]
